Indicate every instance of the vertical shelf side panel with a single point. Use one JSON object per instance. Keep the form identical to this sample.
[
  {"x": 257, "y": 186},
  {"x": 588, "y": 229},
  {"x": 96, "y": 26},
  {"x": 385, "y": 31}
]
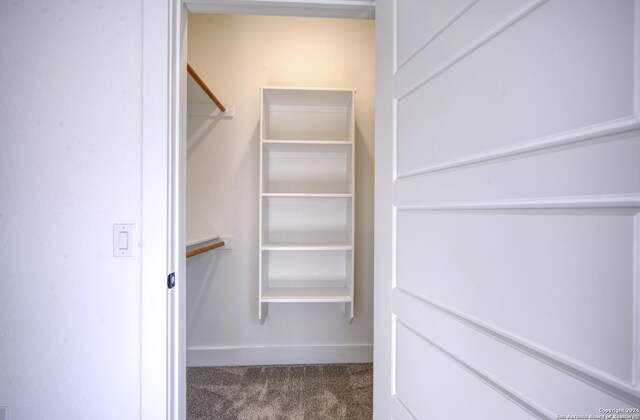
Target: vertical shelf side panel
[
  {"x": 352, "y": 119},
  {"x": 353, "y": 202},
  {"x": 261, "y": 306}
]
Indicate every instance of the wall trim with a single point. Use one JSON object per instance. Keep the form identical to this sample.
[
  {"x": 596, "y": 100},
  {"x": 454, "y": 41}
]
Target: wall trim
[
  {"x": 279, "y": 355},
  {"x": 596, "y": 378}
]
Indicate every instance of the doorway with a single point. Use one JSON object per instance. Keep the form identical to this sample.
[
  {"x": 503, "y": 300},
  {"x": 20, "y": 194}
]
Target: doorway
[{"x": 236, "y": 55}]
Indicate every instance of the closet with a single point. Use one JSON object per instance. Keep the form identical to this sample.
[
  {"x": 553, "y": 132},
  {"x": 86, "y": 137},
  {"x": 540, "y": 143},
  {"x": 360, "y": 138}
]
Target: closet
[{"x": 284, "y": 176}]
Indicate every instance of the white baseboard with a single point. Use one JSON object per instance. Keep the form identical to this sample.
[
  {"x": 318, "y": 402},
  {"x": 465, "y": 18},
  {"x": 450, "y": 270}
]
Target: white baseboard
[{"x": 286, "y": 355}]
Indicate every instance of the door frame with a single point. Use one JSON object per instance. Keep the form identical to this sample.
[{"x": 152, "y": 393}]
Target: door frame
[
  {"x": 384, "y": 223},
  {"x": 155, "y": 223},
  {"x": 163, "y": 316}
]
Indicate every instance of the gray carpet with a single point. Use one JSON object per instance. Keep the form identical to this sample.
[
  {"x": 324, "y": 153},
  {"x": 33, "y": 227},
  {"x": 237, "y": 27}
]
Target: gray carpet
[{"x": 293, "y": 392}]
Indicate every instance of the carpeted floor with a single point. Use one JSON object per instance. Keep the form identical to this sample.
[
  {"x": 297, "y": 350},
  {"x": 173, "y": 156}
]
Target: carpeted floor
[{"x": 294, "y": 392}]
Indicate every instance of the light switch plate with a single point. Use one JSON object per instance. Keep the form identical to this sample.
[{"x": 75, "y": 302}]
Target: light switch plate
[{"x": 123, "y": 239}]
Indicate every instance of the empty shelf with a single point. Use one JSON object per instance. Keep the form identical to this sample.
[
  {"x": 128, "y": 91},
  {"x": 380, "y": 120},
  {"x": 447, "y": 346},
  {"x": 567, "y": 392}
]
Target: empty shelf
[
  {"x": 311, "y": 195},
  {"x": 318, "y": 144},
  {"x": 293, "y": 246},
  {"x": 303, "y": 294}
]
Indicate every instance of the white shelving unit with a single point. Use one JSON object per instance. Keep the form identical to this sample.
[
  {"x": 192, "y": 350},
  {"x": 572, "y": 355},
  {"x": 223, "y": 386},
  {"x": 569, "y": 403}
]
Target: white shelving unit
[{"x": 306, "y": 196}]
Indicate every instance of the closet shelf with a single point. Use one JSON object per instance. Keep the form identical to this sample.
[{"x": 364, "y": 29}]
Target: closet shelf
[
  {"x": 310, "y": 195},
  {"x": 306, "y": 294},
  {"x": 204, "y": 87},
  {"x": 306, "y": 247},
  {"x": 317, "y": 142}
]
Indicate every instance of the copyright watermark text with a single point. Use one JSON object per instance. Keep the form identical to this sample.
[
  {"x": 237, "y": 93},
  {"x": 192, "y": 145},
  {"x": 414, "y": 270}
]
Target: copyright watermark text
[{"x": 627, "y": 413}]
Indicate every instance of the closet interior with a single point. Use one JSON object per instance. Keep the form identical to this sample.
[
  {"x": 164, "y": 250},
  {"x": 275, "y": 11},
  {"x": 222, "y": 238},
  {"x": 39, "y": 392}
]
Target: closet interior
[{"x": 279, "y": 202}]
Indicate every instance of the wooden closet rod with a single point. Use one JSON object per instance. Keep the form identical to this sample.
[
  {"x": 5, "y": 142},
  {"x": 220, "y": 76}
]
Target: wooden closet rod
[
  {"x": 204, "y": 87},
  {"x": 198, "y": 251}
]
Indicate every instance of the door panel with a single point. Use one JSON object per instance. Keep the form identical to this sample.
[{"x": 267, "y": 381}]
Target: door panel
[
  {"x": 509, "y": 368},
  {"x": 521, "y": 85},
  {"x": 508, "y": 202},
  {"x": 437, "y": 386},
  {"x": 596, "y": 166},
  {"x": 423, "y": 21},
  {"x": 525, "y": 271},
  {"x": 471, "y": 20}
]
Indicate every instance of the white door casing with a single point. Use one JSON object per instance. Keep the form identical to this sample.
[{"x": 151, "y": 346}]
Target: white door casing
[
  {"x": 155, "y": 229},
  {"x": 164, "y": 33},
  {"x": 507, "y": 208},
  {"x": 178, "y": 223},
  {"x": 163, "y": 367}
]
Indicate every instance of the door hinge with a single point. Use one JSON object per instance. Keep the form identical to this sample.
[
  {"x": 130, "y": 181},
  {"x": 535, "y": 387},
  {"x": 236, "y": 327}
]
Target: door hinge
[{"x": 171, "y": 280}]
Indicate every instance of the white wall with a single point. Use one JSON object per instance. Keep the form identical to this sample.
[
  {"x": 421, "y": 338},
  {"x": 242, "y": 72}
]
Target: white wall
[
  {"x": 70, "y": 167},
  {"x": 236, "y": 55}
]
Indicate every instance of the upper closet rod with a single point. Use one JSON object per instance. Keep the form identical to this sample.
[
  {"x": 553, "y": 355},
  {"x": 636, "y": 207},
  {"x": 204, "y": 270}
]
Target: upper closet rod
[{"x": 204, "y": 87}]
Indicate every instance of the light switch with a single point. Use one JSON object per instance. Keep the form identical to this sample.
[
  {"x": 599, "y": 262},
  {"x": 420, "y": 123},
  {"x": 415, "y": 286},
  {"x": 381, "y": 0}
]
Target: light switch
[{"x": 123, "y": 238}]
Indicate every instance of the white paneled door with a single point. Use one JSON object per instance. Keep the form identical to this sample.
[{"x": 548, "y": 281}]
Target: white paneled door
[{"x": 507, "y": 209}]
